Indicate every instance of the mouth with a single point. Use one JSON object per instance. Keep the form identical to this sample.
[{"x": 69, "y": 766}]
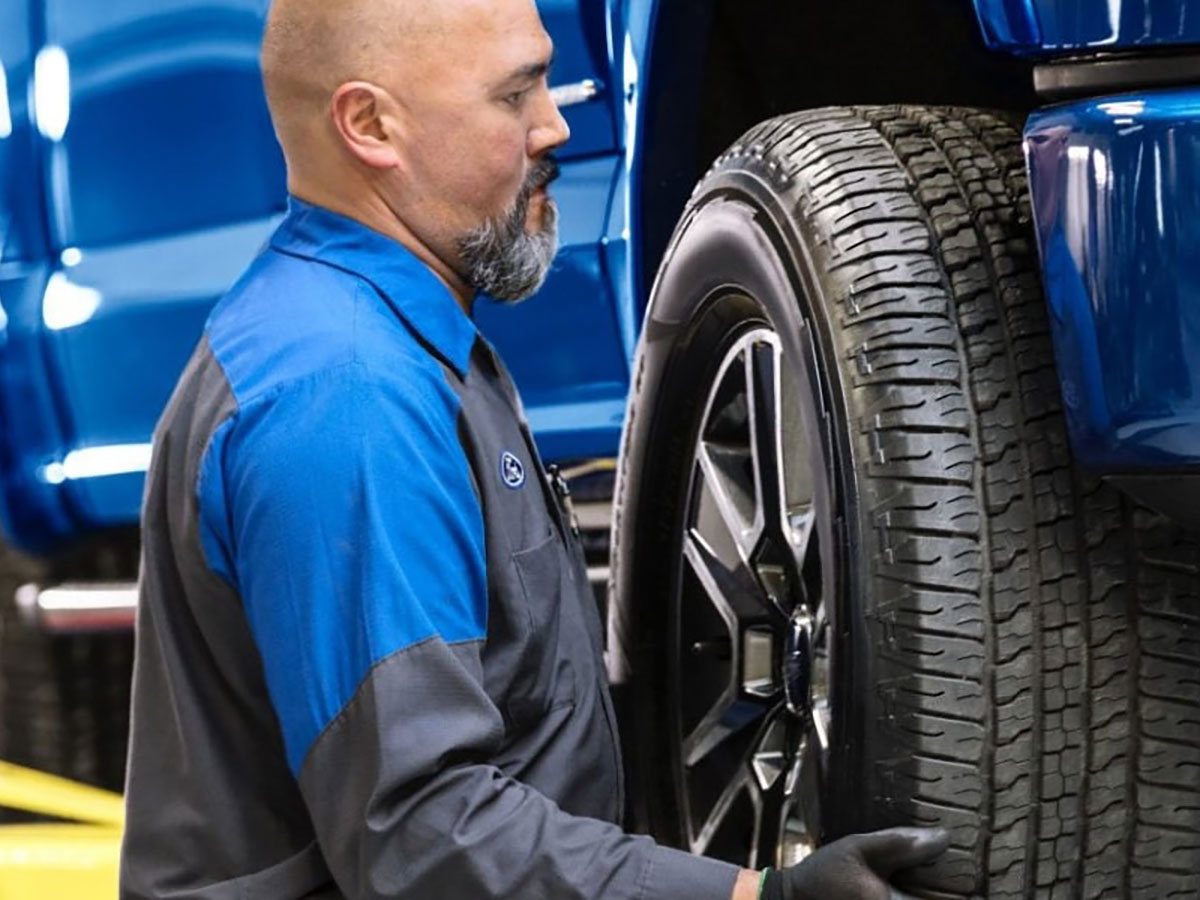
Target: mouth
[
  {"x": 539, "y": 206},
  {"x": 545, "y": 172},
  {"x": 537, "y": 200}
]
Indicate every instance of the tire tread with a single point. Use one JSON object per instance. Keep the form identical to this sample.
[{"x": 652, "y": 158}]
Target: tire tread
[{"x": 1039, "y": 634}]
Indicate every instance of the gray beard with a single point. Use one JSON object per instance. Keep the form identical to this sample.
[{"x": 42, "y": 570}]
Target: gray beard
[{"x": 503, "y": 260}]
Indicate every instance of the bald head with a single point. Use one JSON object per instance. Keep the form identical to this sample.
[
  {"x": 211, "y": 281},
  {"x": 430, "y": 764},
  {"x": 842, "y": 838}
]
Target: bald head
[
  {"x": 311, "y": 47},
  {"x": 424, "y": 118}
]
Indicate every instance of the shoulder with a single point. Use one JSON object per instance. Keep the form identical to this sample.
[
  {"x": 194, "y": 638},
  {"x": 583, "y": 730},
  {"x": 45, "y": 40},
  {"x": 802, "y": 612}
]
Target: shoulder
[
  {"x": 355, "y": 400},
  {"x": 323, "y": 374},
  {"x": 294, "y": 325},
  {"x": 342, "y": 438}
]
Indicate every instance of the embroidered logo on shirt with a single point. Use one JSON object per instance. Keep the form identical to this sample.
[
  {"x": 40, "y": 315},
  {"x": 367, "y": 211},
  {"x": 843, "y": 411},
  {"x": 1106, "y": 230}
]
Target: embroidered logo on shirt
[{"x": 512, "y": 470}]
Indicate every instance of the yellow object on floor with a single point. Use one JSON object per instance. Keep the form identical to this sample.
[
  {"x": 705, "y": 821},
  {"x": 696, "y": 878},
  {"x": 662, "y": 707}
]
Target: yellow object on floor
[
  {"x": 52, "y": 861},
  {"x": 49, "y": 795}
]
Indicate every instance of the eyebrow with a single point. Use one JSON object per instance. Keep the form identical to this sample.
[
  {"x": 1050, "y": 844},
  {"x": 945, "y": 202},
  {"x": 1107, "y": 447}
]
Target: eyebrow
[{"x": 531, "y": 71}]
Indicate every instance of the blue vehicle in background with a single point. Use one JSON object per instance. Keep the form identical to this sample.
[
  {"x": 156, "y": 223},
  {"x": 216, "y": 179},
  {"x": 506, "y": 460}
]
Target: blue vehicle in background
[{"x": 902, "y": 396}]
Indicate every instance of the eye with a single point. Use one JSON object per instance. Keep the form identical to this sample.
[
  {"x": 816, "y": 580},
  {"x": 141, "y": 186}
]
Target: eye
[{"x": 516, "y": 99}]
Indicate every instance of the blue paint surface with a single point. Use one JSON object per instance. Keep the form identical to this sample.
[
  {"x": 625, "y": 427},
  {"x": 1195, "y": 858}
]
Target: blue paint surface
[
  {"x": 22, "y": 219},
  {"x": 1116, "y": 196},
  {"x": 124, "y": 230},
  {"x": 1053, "y": 26}
]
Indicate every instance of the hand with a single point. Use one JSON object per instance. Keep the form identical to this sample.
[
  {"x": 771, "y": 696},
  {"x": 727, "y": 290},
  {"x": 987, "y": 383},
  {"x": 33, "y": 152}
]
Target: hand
[{"x": 858, "y": 867}]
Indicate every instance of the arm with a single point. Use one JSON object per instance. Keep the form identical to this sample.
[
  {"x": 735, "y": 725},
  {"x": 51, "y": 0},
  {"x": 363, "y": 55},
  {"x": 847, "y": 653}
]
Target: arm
[
  {"x": 746, "y": 887},
  {"x": 358, "y": 547}
]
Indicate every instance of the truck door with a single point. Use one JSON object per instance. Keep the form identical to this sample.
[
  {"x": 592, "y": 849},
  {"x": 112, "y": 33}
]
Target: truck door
[{"x": 162, "y": 179}]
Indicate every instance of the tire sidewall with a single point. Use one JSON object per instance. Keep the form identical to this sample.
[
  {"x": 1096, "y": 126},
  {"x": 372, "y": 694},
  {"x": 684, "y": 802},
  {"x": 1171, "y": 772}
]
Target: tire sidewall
[{"x": 734, "y": 237}]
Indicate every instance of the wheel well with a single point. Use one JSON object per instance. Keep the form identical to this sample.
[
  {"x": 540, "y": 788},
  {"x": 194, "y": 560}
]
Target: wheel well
[{"x": 722, "y": 66}]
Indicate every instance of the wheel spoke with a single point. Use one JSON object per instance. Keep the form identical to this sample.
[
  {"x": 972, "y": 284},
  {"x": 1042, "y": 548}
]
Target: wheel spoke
[
  {"x": 802, "y": 813},
  {"x": 702, "y": 840},
  {"x": 762, "y": 379},
  {"x": 820, "y": 624},
  {"x": 802, "y": 524},
  {"x": 802, "y": 460},
  {"x": 733, "y": 592},
  {"x": 733, "y": 710},
  {"x": 726, "y": 719},
  {"x": 822, "y": 711},
  {"x": 771, "y": 763},
  {"x": 822, "y": 719},
  {"x": 771, "y": 757},
  {"x": 724, "y": 511},
  {"x": 787, "y": 506}
]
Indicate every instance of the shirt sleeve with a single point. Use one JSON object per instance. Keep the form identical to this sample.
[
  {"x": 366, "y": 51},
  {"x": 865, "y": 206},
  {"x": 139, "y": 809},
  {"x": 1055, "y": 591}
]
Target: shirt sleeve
[{"x": 354, "y": 535}]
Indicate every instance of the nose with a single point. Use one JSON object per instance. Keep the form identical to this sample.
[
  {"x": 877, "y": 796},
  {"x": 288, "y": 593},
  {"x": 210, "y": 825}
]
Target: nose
[{"x": 552, "y": 130}]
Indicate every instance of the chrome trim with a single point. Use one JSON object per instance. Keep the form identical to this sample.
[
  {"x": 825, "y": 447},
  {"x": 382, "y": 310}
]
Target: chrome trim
[
  {"x": 566, "y": 95},
  {"x": 78, "y": 607}
]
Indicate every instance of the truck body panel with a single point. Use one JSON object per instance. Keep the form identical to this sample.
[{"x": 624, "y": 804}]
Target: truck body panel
[
  {"x": 1044, "y": 27},
  {"x": 1116, "y": 195},
  {"x": 141, "y": 179}
]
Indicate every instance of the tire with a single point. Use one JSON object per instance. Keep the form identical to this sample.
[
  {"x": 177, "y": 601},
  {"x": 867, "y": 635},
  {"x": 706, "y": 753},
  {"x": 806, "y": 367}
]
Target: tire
[
  {"x": 64, "y": 699},
  {"x": 1011, "y": 647}
]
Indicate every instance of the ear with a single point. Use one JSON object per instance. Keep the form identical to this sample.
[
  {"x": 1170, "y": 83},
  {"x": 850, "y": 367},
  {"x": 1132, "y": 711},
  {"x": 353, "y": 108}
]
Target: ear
[{"x": 361, "y": 113}]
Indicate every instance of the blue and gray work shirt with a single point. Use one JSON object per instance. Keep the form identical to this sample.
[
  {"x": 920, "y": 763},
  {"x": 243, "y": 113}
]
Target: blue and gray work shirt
[{"x": 369, "y": 662}]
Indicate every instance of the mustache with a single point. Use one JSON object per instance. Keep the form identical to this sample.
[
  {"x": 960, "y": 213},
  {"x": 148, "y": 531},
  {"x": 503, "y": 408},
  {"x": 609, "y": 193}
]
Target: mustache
[{"x": 543, "y": 173}]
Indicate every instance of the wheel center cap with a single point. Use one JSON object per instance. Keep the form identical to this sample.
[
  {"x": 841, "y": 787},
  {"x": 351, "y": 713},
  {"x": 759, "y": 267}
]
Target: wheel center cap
[{"x": 797, "y": 664}]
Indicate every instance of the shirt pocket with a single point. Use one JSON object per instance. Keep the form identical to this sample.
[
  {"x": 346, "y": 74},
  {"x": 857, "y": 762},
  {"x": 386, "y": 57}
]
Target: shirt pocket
[{"x": 544, "y": 677}]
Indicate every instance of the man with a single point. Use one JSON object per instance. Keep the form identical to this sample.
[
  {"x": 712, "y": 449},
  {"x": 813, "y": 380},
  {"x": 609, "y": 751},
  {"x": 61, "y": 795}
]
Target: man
[{"x": 368, "y": 660}]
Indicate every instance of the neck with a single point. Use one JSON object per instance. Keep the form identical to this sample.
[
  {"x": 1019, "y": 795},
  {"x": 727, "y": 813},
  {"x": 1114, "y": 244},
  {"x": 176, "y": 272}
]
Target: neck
[{"x": 373, "y": 212}]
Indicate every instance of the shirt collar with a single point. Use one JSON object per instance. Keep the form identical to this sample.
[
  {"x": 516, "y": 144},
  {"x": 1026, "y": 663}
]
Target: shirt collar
[{"x": 408, "y": 285}]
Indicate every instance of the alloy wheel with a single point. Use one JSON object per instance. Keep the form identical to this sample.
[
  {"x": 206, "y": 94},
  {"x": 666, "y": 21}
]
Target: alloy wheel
[{"x": 752, "y": 642}]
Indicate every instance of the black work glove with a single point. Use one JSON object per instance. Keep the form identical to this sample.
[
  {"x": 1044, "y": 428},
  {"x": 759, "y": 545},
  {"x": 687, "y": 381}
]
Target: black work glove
[{"x": 858, "y": 867}]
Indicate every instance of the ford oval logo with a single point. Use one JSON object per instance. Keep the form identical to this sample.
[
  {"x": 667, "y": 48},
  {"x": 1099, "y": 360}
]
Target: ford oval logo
[{"x": 512, "y": 470}]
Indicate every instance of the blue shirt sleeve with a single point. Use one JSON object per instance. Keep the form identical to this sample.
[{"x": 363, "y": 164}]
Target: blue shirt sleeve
[{"x": 343, "y": 510}]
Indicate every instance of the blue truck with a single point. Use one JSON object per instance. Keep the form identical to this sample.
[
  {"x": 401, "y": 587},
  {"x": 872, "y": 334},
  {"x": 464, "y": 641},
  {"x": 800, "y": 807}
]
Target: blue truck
[{"x": 889, "y": 315}]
